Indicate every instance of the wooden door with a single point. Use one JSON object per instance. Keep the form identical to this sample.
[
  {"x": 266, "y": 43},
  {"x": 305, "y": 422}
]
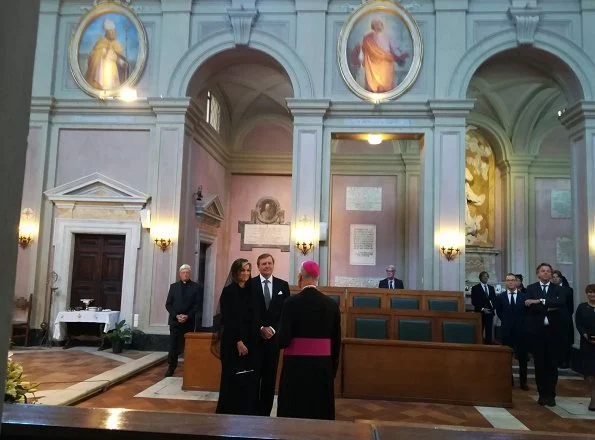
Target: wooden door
[{"x": 97, "y": 270}]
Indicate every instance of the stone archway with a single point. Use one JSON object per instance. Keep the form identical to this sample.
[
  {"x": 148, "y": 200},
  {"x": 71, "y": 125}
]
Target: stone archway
[
  {"x": 285, "y": 55},
  {"x": 581, "y": 66}
]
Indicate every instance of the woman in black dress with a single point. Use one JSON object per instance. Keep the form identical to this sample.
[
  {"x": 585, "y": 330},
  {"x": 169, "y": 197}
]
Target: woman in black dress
[
  {"x": 238, "y": 391},
  {"x": 585, "y": 324}
]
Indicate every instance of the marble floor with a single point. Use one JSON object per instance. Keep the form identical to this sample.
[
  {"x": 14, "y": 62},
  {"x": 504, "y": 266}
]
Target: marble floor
[{"x": 143, "y": 386}]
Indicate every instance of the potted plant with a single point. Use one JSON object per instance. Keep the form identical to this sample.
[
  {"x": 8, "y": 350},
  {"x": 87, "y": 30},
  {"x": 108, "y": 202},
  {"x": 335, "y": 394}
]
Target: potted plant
[
  {"x": 16, "y": 388},
  {"x": 122, "y": 333}
]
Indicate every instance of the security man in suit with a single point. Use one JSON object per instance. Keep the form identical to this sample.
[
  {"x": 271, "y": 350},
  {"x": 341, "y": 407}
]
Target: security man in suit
[
  {"x": 545, "y": 324},
  {"x": 390, "y": 282},
  {"x": 483, "y": 297},
  {"x": 273, "y": 292},
  {"x": 184, "y": 304},
  {"x": 510, "y": 308}
]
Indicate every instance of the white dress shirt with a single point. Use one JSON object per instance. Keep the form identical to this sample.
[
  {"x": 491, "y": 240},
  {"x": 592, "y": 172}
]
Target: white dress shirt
[
  {"x": 547, "y": 288},
  {"x": 262, "y": 280}
]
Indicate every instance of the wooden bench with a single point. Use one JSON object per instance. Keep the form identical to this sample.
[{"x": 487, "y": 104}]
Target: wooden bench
[
  {"x": 462, "y": 374},
  {"x": 414, "y": 325}
]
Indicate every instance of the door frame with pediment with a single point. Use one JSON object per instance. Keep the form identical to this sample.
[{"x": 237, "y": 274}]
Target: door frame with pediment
[{"x": 95, "y": 204}]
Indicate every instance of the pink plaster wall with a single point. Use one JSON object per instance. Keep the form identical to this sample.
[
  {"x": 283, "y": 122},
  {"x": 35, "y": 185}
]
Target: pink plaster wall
[
  {"x": 122, "y": 155},
  {"x": 547, "y": 229},
  {"x": 388, "y": 245},
  {"x": 246, "y": 190},
  {"x": 268, "y": 138}
]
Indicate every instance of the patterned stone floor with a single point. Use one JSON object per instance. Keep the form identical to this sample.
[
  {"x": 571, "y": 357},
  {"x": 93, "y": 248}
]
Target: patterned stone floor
[{"x": 149, "y": 390}]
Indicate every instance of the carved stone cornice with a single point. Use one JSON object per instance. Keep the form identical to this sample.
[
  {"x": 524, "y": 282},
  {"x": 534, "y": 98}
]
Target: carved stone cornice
[
  {"x": 242, "y": 21},
  {"x": 579, "y": 116},
  {"x": 526, "y": 20}
]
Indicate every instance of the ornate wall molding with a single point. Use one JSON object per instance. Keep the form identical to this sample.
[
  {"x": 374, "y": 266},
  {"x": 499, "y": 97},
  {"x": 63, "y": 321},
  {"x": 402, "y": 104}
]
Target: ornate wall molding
[
  {"x": 242, "y": 21},
  {"x": 526, "y": 20}
]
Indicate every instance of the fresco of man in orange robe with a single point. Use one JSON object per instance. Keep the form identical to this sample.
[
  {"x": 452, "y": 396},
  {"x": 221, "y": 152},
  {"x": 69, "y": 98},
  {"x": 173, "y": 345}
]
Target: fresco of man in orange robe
[
  {"x": 376, "y": 56},
  {"x": 107, "y": 66}
]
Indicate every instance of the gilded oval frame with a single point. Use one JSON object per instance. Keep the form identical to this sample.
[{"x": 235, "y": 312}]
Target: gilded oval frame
[
  {"x": 75, "y": 42},
  {"x": 376, "y": 7}
]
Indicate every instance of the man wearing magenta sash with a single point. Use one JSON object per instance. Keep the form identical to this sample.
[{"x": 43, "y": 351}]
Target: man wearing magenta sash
[{"x": 310, "y": 333}]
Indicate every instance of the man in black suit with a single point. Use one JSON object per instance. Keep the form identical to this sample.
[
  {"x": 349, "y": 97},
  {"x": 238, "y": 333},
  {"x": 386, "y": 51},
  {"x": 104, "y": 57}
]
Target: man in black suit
[
  {"x": 273, "y": 291},
  {"x": 483, "y": 297},
  {"x": 510, "y": 308},
  {"x": 545, "y": 324},
  {"x": 390, "y": 282},
  {"x": 184, "y": 304}
]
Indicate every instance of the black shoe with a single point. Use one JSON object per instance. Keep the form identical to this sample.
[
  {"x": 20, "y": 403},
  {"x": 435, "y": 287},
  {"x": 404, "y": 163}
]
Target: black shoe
[
  {"x": 541, "y": 400},
  {"x": 550, "y": 402},
  {"x": 524, "y": 387},
  {"x": 169, "y": 372}
]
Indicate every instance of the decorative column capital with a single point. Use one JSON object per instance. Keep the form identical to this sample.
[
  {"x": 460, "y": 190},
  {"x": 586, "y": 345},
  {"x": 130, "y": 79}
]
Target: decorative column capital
[
  {"x": 451, "y": 112},
  {"x": 578, "y": 116},
  {"x": 525, "y": 18},
  {"x": 309, "y": 111},
  {"x": 242, "y": 21}
]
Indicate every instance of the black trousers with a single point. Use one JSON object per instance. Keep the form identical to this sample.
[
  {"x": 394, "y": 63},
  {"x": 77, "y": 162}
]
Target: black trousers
[
  {"x": 519, "y": 346},
  {"x": 269, "y": 354},
  {"x": 544, "y": 346},
  {"x": 176, "y": 342},
  {"x": 486, "y": 323}
]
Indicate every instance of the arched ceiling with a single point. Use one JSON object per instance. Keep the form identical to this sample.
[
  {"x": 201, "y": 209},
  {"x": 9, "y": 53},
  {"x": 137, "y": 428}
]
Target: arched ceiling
[
  {"x": 519, "y": 94},
  {"x": 253, "y": 88}
]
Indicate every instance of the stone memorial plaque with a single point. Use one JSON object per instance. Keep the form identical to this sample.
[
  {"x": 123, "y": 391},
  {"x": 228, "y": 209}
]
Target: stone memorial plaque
[
  {"x": 362, "y": 245},
  {"x": 363, "y": 198},
  {"x": 564, "y": 250},
  {"x": 560, "y": 204}
]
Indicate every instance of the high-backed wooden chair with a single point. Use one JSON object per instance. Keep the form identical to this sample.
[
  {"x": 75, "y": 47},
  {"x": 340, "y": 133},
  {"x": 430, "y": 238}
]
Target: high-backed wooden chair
[{"x": 22, "y": 315}]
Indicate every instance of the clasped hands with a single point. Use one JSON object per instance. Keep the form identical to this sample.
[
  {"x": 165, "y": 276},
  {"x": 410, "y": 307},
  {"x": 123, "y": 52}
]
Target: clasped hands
[
  {"x": 529, "y": 302},
  {"x": 267, "y": 332},
  {"x": 182, "y": 318}
]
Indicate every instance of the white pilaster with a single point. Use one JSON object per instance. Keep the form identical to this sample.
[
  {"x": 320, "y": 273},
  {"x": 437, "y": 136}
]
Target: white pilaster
[
  {"x": 450, "y": 21},
  {"x": 515, "y": 174},
  {"x": 175, "y": 38},
  {"x": 580, "y": 121},
  {"x": 447, "y": 190},
  {"x": 159, "y": 268},
  {"x": 311, "y": 27},
  {"x": 306, "y": 172}
]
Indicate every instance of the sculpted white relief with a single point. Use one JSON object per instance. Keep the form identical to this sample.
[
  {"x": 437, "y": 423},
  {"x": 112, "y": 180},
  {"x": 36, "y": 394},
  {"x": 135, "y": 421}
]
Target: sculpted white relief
[{"x": 479, "y": 191}]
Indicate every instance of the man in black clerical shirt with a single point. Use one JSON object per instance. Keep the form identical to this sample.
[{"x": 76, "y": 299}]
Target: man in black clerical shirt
[{"x": 184, "y": 304}]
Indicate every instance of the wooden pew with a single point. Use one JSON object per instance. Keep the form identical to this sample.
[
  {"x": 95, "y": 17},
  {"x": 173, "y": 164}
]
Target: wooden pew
[
  {"x": 464, "y": 374},
  {"x": 394, "y": 316},
  {"x": 422, "y": 295}
]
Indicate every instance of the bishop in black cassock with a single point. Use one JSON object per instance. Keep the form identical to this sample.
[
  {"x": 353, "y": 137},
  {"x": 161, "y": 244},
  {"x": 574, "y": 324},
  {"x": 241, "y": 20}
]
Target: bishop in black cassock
[{"x": 310, "y": 333}]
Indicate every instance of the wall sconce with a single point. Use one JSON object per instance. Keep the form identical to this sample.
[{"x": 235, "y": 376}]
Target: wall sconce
[
  {"x": 24, "y": 241},
  {"x": 304, "y": 236},
  {"x": 27, "y": 229},
  {"x": 450, "y": 244},
  {"x": 450, "y": 253},
  {"x": 162, "y": 243}
]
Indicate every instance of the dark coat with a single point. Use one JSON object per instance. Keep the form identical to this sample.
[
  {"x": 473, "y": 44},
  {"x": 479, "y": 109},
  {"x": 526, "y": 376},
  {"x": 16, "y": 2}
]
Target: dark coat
[
  {"x": 189, "y": 303},
  {"x": 480, "y": 300},
  {"x": 383, "y": 284},
  {"x": 279, "y": 293},
  {"x": 513, "y": 322}
]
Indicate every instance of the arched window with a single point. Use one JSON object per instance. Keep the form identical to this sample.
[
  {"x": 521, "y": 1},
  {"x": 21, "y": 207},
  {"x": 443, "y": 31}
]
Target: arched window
[{"x": 213, "y": 111}]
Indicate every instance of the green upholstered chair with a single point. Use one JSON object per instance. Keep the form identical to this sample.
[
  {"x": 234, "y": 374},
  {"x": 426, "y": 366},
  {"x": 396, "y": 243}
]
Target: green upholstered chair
[
  {"x": 459, "y": 332},
  {"x": 415, "y": 330},
  {"x": 372, "y": 302},
  {"x": 336, "y": 298},
  {"x": 404, "y": 303},
  {"x": 371, "y": 328},
  {"x": 443, "y": 305}
]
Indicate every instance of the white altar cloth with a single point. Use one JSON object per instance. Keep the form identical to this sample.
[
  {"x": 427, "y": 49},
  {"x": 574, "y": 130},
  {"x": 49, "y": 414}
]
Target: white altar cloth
[{"x": 110, "y": 319}]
